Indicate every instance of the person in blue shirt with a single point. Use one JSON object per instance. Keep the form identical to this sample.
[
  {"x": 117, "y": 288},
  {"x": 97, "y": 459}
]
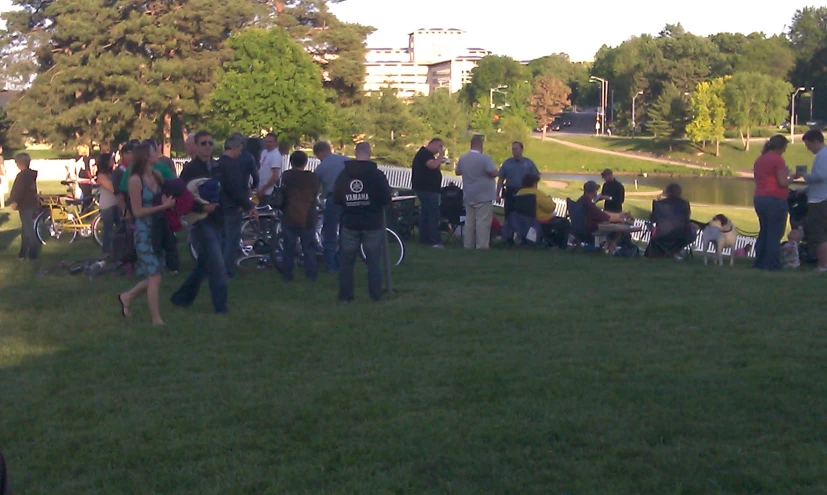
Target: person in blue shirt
[{"x": 329, "y": 168}]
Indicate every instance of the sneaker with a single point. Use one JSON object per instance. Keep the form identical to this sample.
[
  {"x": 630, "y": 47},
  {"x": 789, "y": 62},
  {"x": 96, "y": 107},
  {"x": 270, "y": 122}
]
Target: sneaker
[
  {"x": 821, "y": 269},
  {"x": 438, "y": 246},
  {"x": 679, "y": 257}
]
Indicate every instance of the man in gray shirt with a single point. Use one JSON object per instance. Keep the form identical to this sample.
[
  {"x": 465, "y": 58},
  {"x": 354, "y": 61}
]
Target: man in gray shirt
[
  {"x": 328, "y": 170},
  {"x": 511, "y": 175},
  {"x": 478, "y": 172},
  {"x": 816, "y": 222}
]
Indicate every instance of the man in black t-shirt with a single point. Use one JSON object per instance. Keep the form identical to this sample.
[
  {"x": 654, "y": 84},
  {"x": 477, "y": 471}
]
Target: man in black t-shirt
[
  {"x": 613, "y": 192},
  {"x": 426, "y": 181}
]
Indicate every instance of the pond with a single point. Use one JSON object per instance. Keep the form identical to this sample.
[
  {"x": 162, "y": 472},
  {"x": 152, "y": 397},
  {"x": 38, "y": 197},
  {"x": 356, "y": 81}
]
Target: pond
[{"x": 701, "y": 190}]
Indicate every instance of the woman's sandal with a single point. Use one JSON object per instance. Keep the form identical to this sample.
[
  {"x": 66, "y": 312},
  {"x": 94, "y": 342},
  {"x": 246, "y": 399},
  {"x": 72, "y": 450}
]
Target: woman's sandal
[{"x": 124, "y": 308}]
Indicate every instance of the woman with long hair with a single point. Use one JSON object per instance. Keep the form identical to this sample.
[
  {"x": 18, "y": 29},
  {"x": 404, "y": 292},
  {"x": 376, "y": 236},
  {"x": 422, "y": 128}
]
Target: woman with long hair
[
  {"x": 772, "y": 180},
  {"x": 144, "y": 187},
  {"x": 107, "y": 201}
]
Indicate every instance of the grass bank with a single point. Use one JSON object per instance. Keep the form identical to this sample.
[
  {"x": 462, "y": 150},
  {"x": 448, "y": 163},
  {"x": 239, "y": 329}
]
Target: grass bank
[
  {"x": 732, "y": 153},
  {"x": 671, "y": 386},
  {"x": 554, "y": 157}
]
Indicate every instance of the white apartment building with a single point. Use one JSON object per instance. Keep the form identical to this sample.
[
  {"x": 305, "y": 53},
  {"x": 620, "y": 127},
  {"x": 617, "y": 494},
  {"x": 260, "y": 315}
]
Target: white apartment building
[{"x": 434, "y": 58}]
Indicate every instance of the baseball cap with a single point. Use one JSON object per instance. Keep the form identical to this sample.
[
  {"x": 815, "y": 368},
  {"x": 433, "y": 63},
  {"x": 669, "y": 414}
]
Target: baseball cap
[
  {"x": 590, "y": 187},
  {"x": 606, "y": 172}
]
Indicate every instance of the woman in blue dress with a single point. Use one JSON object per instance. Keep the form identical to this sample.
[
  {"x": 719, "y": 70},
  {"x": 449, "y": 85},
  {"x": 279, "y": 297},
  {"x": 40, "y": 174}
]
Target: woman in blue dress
[{"x": 144, "y": 187}]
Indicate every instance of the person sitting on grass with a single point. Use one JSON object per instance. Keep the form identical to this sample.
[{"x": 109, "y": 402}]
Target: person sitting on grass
[
  {"x": 594, "y": 216},
  {"x": 555, "y": 230}
]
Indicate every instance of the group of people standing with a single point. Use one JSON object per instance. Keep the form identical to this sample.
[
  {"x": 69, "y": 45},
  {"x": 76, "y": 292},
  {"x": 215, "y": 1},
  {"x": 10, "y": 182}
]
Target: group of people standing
[
  {"x": 354, "y": 192},
  {"x": 772, "y": 194}
]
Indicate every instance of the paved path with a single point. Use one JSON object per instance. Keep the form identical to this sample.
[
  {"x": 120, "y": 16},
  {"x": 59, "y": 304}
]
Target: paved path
[{"x": 639, "y": 157}]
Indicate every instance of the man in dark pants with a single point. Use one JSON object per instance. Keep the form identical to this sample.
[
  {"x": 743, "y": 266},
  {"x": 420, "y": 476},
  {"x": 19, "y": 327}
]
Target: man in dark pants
[
  {"x": 613, "y": 192},
  {"x": 235, "y": 199},
  {"x": 363, "y": 190},
  {"x": 301, "y": 187},
  {"x": 426, "y": 181},
  {"x": 248, "y": 163},
  {"x": 23, "y": 198},
  {"x": 511, "y": 174},
  {"x": 205, "y": 235},
  {"x": 328, "y": 170}
]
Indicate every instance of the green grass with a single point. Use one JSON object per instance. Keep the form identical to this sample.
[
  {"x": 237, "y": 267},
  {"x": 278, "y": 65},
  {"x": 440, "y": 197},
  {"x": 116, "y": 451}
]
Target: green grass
[
  {"x": 732, "y": 153},
  {"x": 510, "y": 371},
  {"x": 554, "y": 157},
  {"x": 42, "y": 154}
]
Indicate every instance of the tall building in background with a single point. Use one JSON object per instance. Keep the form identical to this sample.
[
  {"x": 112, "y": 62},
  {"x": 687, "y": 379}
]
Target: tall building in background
[{"x": 434, "y": 58}]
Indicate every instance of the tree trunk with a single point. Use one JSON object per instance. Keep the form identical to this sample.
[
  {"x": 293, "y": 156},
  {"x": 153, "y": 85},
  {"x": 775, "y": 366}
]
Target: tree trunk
[
  {"x": 544, "y": 133},
  {"x": 703, "y": 145},
  {"x": 746, "y": 147},
  {"x": 717, "y": 147},
  {"x": 166, "y": 146},
  {"x": 185, "y": 133}
]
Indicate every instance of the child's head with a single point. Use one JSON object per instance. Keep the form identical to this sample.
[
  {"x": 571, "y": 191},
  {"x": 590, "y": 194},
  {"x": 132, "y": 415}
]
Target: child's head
[
  {"x": 795, "y": 235},
  {"x": 23, "y": 160},
  {"x": 298, "y": 159}
]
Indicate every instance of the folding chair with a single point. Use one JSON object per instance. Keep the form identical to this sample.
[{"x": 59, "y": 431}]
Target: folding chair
[
  {"x": 451, "y": 211},
  {"x": 672, "y": 233}
]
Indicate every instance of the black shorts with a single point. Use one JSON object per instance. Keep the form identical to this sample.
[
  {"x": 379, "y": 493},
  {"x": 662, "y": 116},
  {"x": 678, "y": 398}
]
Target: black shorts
[{"x": 816, "y": 223}]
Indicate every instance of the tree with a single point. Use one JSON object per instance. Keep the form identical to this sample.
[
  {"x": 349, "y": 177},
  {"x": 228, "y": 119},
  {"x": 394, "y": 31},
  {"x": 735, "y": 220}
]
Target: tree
[
  {"x": 493, "y": 71},
  {"x": 498, "y": 144},
  {"x": 550, "y": 98},
  {"x": 393, "y": 130},
  {"x": 667, "y": 114},
  {"x": 337, "y": 47},
  {"x": 808, "y": 38},
  {"x": 443, "y": 114},
  {"x": 709, "y": 110},
  {"x": 107, "y": 67},
  {"x": 345, "y": 126},
  {"x": 481, "y": 116},
  {"x": 270, "y": 84},
  {"x": 753, "y": 53},
  {"x": 754, "y": 99}
]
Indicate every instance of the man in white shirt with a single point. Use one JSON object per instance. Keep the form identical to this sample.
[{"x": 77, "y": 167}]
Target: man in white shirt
[
  {"x": 270, "y": 168},
  {"x": 478, "y": 172},
  {"x": 816, "y": 222}
]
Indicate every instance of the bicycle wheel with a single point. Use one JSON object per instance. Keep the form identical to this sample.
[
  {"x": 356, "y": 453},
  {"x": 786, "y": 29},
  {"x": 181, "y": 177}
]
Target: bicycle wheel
[
  {"x": 97, "y": 229},
  {"x": 396, "y": 248},
  {"x": 254, "y": 262},
  {"x": 46, "y": 229}
]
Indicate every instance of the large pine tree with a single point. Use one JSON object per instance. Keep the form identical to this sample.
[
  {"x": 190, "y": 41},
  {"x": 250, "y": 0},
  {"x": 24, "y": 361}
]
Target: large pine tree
[{"x": 112, "y": 66}]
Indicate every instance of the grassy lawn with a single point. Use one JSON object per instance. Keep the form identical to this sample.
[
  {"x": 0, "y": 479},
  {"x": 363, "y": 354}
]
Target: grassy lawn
[
  {"x": 587, "y": 375},
  {"x": 41, "y": 154},
  {"x": 732, "y": 154},
  {"x": 553, "y": 157}
]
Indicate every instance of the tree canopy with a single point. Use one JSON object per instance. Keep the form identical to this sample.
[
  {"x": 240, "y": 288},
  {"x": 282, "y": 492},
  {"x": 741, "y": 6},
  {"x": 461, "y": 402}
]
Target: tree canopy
[
  {"x": 754, "y": 99},
  {"x": 550, "y": 97},
  {"x": 270, "y": 84}
]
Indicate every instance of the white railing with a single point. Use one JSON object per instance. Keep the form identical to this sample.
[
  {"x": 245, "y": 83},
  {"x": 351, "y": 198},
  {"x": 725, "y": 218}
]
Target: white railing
[{"x": 400, "y": 178}]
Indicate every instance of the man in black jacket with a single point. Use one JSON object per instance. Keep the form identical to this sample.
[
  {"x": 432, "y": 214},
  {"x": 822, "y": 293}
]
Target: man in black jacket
[
  {"x": 235, "y": 199},
  {"x": 23, "y": 198},
  {"x": 363, "y": 190},
  {"x": 205, "y": 235},
  {"x": 613, "y": 192}
]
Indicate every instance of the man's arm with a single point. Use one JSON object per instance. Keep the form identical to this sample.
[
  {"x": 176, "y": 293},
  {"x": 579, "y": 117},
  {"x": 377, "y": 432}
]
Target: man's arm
[
  {"x": 383, "y": 190},
  {"x": 491, "y": 168},
  {"x": 819, "y": 173},
  {"x": 236, "y": 190},
  {"x": 274, "y": 177},
  {"x": 621, "y": 196}
]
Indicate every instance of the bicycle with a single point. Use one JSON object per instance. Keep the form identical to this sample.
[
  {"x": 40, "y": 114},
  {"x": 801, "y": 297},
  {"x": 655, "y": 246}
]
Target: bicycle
[{"x": 62, "y": 217}]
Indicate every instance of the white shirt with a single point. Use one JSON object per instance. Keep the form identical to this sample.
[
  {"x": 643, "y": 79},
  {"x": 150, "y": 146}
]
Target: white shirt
[
  {"x": 270, "y": 160},
  {"x": 817, "y": 180}
]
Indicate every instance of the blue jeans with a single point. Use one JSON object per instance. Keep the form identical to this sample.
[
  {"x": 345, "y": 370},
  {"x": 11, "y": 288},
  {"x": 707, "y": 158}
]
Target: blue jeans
[
  {"x": 110, "y": 217},
  {"x": 772, "y": 218},
  {"x": 428, "y": 217},
  {"x": 207, "y": 241},
  {"x": 232, "y": 238},
  {"x": 351, "y": 241},
  {"x": 308, "y": 241},
  {"x": 330, "y": 234}
]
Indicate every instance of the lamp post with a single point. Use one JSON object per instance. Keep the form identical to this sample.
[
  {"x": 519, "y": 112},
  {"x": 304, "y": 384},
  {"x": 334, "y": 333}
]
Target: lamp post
[
  {"x": 604, "y": 90},
  {"x": 792, "y": 114},
  {"x": 634, "y": 125},
  {"x": 811, "y": 102},
  {"x": 495, "y": 90}
]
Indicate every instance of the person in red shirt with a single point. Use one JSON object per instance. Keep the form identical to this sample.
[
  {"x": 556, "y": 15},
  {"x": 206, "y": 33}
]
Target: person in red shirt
[
  {"x": 772, "y": 180},
  {"x": 594, "y": 216}
]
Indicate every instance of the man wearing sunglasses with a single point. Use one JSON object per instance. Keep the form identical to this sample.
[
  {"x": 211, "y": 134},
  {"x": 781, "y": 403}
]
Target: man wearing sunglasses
[{"x": 205, "y": 235}]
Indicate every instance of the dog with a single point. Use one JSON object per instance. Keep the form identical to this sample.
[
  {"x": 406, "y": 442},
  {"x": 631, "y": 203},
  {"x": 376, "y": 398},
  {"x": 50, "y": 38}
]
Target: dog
[{"x": 723, "y": 234}]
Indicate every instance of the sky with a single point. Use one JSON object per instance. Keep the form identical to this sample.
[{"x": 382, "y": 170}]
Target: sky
[{"x": 527, "y": 29}]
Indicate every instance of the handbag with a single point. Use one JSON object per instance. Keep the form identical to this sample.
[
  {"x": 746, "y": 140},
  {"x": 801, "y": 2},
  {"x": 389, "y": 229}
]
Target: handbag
[{"x": 123, "y": 243}]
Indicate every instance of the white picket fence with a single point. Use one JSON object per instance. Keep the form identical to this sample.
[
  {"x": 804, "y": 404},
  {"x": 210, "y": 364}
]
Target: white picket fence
[{"x": 400, "y": 178}]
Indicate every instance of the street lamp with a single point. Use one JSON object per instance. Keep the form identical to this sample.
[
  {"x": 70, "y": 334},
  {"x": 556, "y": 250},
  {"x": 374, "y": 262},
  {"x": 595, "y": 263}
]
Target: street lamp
[
  {"x": 792, "y": 114},
  {"x": 811, "y": 102},
  {"x": 495, "y": 90},
  {"x": 634, "y": 126},
  {"x": 604, "y": 90}
]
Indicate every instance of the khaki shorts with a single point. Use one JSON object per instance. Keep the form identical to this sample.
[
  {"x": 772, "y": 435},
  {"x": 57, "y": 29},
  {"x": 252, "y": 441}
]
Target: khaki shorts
[{"x": 816, "y": 223}]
